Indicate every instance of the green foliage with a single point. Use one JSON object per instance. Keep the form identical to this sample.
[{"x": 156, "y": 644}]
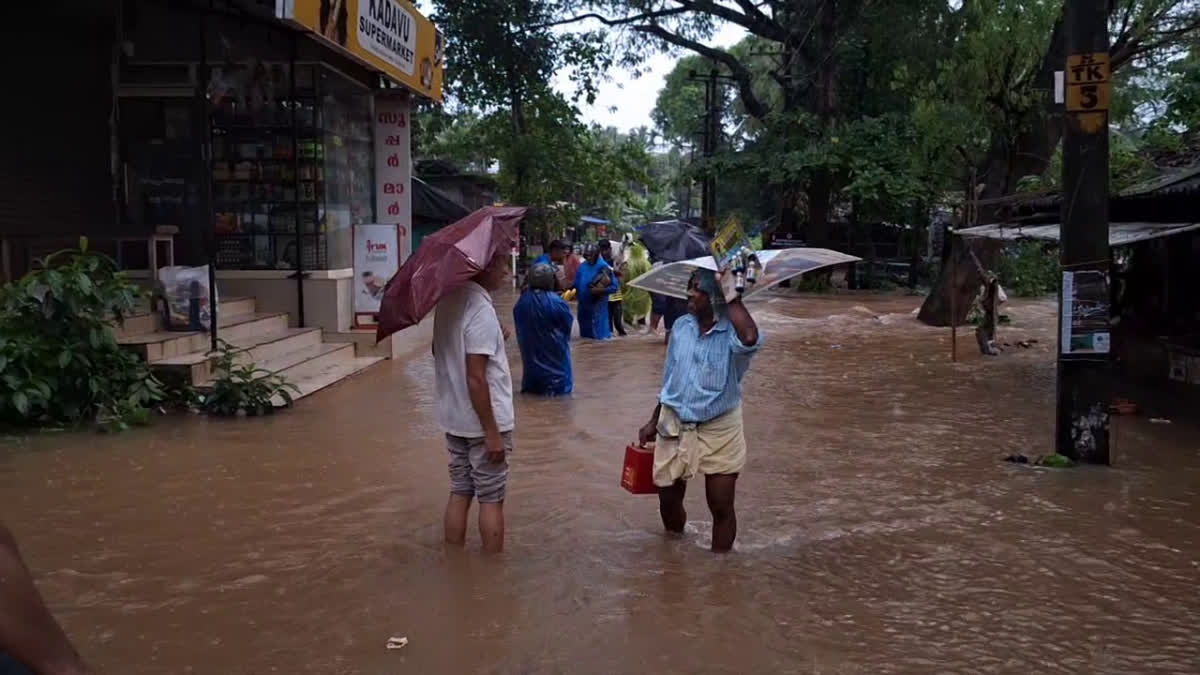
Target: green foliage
[
  {"x": 813, "y": 283},
  {"x": 244, "y": 389},
  {"x": 883, "y": 107},
  {"x": 60, "y": 363},
  {"x": 1029, "y": 269}
]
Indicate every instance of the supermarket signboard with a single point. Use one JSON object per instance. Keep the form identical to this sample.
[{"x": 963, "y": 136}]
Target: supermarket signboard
[{"x": 388, "y": 35}]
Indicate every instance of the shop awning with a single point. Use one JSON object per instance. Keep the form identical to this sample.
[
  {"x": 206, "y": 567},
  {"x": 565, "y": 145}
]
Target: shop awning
[
  {"x": 430, "y": 203},
  {"x": 1119, "y": 234}
]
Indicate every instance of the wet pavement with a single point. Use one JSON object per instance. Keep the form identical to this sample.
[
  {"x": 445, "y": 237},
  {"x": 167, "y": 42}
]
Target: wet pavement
[{"x": 879, "y": 532}]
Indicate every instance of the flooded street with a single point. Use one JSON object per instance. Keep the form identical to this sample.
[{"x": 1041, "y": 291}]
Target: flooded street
[{"x": 879, "y": 530}]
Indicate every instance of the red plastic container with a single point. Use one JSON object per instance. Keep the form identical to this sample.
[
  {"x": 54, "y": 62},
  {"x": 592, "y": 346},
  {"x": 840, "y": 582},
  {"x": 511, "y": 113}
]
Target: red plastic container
[{"x": 638, "y": 474}]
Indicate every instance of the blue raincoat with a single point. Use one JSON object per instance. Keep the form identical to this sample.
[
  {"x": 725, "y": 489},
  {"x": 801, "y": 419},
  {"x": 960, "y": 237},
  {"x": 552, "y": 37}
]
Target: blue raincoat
[
  {"x": 593, "y": 312},
  {"x": 543, "y": 322}
]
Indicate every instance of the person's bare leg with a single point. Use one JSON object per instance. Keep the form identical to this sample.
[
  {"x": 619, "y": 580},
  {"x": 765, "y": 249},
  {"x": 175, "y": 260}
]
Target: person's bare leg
[
  {"x": 719, "y": 491},
  {"x": 491, "y": 527},
  {"x": 457, "y": 508},
  {"x": 670, "y": 506},
  {"x": 28, "y": 632}
]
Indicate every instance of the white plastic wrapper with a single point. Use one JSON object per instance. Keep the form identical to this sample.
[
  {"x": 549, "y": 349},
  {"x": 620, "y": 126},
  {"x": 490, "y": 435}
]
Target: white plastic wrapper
[{"x": 180, "y": 287}]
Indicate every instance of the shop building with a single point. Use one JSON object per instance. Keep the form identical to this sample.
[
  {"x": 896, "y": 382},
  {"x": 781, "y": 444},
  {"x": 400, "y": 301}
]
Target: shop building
[{"x": 267, "y": 137}]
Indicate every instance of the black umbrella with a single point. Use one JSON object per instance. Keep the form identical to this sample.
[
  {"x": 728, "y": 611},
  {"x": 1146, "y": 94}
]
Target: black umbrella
[{"x": 674, "y": 240}]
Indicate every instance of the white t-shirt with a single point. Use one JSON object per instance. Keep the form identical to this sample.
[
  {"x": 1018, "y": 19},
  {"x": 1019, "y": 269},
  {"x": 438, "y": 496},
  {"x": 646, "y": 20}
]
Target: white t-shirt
[{"x": 465, "y": 322}]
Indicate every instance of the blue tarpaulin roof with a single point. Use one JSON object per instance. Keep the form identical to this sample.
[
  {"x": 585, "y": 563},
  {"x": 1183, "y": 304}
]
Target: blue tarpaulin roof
[{"x": 593, "y": 220}]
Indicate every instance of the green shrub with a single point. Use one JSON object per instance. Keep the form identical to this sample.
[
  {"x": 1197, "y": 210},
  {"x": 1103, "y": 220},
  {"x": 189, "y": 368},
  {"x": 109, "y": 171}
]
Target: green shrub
[
  {"x": 244, "y": 388},
  {"x": 816, "y": 283},
  {"x": 60, "y": 363},
  {"x": 1029, "y": 269}
]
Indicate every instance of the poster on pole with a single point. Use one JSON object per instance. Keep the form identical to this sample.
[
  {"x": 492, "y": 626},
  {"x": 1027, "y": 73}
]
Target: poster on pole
[
  {"x": 376, "y": 260},
  {"x": 1085, "y": 313}
]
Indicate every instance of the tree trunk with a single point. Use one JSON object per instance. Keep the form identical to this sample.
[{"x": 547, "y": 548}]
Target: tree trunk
[
  {"x": 819, "y": 191},
  {"x": 1038, "y": 129},
  {"x": 1010, "y": 157},
  {"x": 959, "y": 276},
  {"x": 823, "y": 104}
]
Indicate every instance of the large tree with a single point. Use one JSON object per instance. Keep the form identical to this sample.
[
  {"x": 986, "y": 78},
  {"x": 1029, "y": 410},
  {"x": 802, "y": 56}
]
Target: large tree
[
  {"x": 997, "y": 57},
  {"x": 789, "y": 78},
  {"x": 503, "y": 109}
]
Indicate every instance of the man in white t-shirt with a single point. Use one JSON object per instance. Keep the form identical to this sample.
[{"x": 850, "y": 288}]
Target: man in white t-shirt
[{"x": 474, "y": 404}]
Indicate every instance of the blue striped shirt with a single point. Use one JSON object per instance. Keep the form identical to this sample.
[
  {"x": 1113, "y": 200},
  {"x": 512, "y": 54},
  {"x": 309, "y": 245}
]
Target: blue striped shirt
[{"x": 702, "y": 379}]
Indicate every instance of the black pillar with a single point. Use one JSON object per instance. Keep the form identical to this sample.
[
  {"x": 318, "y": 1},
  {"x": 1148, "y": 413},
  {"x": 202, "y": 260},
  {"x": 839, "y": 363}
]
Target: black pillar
[{"x": 1084, "y": 359}]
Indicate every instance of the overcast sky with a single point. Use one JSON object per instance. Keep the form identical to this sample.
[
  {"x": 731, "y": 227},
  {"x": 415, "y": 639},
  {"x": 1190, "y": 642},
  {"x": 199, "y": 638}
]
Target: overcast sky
[{"x": 632, "y": 97}]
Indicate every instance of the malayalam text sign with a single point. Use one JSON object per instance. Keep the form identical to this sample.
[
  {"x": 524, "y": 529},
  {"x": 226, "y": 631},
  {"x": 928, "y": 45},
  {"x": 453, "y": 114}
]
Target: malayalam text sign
[{"x": 393, "y": 167}]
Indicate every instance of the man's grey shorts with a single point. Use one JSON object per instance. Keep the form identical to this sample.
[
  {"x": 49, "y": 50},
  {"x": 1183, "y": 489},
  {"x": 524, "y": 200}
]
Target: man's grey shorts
[{"x": 472, "y": 475}]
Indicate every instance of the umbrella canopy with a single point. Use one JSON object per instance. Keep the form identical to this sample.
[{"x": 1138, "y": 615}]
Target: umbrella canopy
[
  {"x": 778, "y": 266},
  {"x": 446, "y": 259},
  {"x": 674, "y": 240}
]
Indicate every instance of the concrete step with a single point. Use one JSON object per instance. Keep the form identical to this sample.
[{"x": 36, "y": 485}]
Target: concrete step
[
  {"x": 145, "y": 321},
  {"x": 198, "y": 366},
  {"x": 315, "y": 375},
  {"x": 160, "y": 345},
  {"x": 364, "y": 342},
  {"x": 313, "y": 357}
]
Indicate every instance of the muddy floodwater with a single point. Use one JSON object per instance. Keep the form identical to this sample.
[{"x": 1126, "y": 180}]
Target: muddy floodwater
[{"x": 879, "y": 530}]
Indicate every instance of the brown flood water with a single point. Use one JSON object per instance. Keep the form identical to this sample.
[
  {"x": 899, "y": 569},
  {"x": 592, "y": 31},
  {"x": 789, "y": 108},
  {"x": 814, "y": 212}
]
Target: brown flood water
[{"x": 880, "y": 533}]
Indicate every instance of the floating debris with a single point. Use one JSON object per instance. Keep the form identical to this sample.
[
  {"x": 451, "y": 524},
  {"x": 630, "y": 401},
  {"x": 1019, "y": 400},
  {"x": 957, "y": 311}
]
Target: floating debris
[{"x": 1056, "y": 461}]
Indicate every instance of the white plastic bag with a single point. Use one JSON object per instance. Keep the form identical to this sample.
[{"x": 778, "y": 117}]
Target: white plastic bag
[{"x": 188, "y": 297}]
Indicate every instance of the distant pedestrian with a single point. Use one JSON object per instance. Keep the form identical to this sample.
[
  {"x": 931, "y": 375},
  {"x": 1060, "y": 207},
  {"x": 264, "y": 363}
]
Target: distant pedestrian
[
  {"x": 594, "y": 282},
  {"x": 555, "y": 256},
  {"x": 543, "y": 323},
  {"x": 635, "y": 303},
  {"x": 991, "y": 295},
  {"x": 616, "y": 320},
  {"x": 571, "y": 263},
  {"x": 474, "y": 404}
]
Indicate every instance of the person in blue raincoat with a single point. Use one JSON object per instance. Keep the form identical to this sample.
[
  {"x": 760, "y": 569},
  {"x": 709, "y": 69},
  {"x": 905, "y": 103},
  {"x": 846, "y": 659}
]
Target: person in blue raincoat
[
  {"x": 543, "y": 321},
  {"x": 592, "y": 294}
]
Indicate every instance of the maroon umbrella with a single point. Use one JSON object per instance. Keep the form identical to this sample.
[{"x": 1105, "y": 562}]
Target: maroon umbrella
[{"x": 446, "y": 259}]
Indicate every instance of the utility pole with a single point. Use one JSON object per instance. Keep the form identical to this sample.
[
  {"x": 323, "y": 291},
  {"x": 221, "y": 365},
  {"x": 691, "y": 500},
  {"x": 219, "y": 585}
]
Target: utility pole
[
  {"x": 710, "y": 135},
  {"x": 712, "y": 128},
  {"x": 1084, "y": 304}
]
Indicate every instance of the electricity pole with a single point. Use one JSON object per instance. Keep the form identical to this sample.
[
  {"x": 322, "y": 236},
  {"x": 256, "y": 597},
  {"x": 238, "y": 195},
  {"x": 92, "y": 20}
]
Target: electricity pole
[
  {"x": 710, "y": 135},
  {"x": 1084, "y": 303}
]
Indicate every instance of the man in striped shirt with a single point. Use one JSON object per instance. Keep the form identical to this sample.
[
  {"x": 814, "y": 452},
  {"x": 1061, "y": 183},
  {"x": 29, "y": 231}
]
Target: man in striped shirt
[{"x": 698, "y": 419}]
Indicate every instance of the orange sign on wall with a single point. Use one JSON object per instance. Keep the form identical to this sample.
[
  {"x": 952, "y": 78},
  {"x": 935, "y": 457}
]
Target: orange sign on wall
[{"x": 388, "y": 35}]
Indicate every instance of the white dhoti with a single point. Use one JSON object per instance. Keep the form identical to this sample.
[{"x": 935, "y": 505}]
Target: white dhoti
[{"x": 715, "y": 447}]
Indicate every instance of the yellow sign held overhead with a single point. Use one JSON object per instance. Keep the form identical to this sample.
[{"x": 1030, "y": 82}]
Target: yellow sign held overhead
[
  {"x": 729, "y": 238},
  {"x": 1089, "y": 82},
  {"x": 388, "y": 35}
]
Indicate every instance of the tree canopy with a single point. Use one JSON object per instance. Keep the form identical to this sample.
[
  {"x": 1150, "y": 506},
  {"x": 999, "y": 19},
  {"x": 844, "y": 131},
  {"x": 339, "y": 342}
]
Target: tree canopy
[{"x": 836, "y": 112}]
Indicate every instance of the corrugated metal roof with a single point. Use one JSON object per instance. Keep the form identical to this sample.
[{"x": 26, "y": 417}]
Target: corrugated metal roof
[
  {"x": 1119, "y": 234},
  {"x": 1180, "y": 181}
]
